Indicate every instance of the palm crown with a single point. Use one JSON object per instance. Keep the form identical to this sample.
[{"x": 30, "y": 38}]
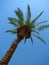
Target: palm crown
[{"x": 25, "y": 28}]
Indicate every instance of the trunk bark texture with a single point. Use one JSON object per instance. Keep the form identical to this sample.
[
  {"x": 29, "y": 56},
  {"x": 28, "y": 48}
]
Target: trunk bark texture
[{"x": 5, "y": 60}]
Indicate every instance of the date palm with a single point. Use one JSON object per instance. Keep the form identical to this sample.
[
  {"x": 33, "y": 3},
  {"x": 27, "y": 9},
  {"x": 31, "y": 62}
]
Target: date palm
[{"x": 24, "y": 29}]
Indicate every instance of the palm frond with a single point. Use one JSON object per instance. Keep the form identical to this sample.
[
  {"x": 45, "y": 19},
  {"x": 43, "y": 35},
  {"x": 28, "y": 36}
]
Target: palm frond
[
  {"x": 13, "y": 21},
  {"x": 25, "y": 41},
  {"x": 32, "y": 25},
  {"x": 43, "y": 27},
  {"x": 39, "y": 38},
  {"x": 41, "y": 22},
  {"x": 20, "y": 16},
  {"x": 36, "y": 17},
  {"x": 29, "y": 13},
  {"x": 12, "y": 31},
  {"x": 21, "y": 13},
  {"x": 35, "y": 31},
  {"x": 31, "y": 40},
  {"x": 28, "y": 16},
  {"x": 28, "y": 23}
]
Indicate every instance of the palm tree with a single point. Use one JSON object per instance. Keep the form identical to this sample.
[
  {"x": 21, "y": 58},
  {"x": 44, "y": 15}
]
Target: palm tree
[{"x": 24, "y": 30}]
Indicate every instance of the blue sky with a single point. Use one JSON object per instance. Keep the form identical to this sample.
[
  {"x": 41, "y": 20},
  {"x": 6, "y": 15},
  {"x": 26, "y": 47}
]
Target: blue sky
[{"x": 25, "y": 54}]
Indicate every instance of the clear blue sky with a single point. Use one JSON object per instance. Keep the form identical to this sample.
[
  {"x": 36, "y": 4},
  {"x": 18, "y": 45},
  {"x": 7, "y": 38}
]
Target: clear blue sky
[{"x": 25, "y": 54}]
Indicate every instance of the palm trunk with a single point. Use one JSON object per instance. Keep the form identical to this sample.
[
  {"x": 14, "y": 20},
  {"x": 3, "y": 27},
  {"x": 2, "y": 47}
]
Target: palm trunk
[{"x": 5, "y": 60}]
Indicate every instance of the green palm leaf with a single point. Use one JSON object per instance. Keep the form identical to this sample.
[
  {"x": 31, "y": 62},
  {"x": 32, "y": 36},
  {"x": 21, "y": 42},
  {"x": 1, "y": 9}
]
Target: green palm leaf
[
  {"x": 39, "y": 38},
  {"x": 21, "y": 13},
  {"x": 28, "y": 16},
  {"x": 13, "y": 21},
  {"x": 43, "y": 27},
  {"x": 32, "y": 25},
  {"x": 31, "y": 40},
  {"x": 20, "y": 16},
  {"x": 36, "y": 19},
  {"x": 35, "y": 31},
  {"x": 29, "y": 13},
  {"x": 28, "y": 23},
  {"x": 25, "y": 40},
  {"x": 12, "y": 31},
  {"x": 40, "y": 23}
]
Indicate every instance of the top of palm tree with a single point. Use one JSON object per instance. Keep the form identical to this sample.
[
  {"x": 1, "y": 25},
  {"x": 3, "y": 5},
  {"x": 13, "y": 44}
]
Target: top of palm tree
[{"x": 26, "y": 27}]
